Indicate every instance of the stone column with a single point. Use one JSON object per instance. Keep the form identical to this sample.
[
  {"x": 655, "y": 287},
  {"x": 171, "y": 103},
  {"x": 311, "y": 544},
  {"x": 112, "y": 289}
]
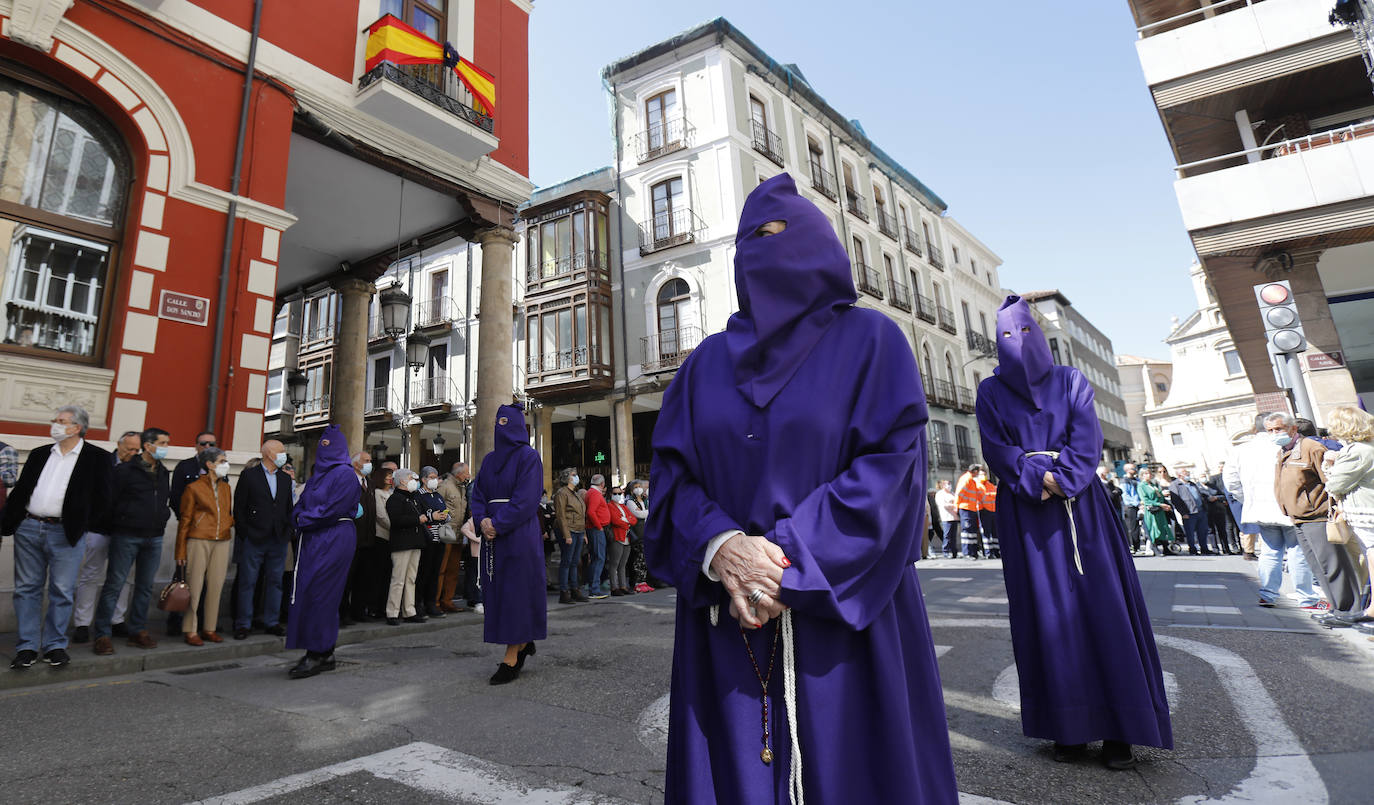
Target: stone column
[
  {"x": 495, "y": 360},
  {"x": 623, "y": 462},
  {"x": 416, "y": 455},
  {"x": 350, "y": 361},
  {"x": 543, "y": 439}
]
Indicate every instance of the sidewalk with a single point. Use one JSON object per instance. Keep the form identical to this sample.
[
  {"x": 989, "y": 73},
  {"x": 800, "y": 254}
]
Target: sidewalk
[{"x": 173, "y": 652}]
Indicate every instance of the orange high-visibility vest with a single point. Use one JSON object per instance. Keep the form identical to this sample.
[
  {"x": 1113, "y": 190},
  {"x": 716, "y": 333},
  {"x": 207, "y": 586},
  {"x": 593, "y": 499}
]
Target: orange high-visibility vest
[
  {"x": 968, "y": 496},
  {"x": 989, "y": 496}
]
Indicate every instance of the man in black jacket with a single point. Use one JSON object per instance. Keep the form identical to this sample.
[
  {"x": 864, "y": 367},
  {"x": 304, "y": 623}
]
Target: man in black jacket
[
  {"x": 262, "y": 520},
  {"x": 138, "y": 518},
  {"x": 1219, "y": 515},
  {"x": 62, "y": 490},
  {"x": 1191, "y": 503}
]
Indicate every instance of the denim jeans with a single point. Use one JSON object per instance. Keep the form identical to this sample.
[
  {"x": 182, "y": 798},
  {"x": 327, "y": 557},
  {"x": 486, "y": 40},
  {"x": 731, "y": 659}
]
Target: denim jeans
[
  {"x": 569, "y": 556},
  {"x": 266, "y": 559},
  {"x": 125, "y": 550},
  {"x": 1195, "y": 527},
  {"x": 596, "y": 544},
  {"x": 1280, "y": 540},
  {"x": 951, "y": 534},
  {"x": 42, "y": 556}
]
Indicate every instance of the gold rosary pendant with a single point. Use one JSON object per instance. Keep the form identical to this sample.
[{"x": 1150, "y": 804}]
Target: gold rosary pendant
[{"x": 766, "y": 756}]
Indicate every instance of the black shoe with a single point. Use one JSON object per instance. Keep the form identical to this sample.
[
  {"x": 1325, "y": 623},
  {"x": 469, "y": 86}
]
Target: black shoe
[
  {"x": 57, "y": 657},
  {"x": 580, "y": 597},
  {"x": 120, "y": 630},
  {"x": 504, "y": 674},
  {"x": 241, "y": 634},
  {"x": 309, "y": 665},
  {"x": 1116, "y": 755},
  {"x": 416, "y": 618},
  {"x": 327, "y": 663},
  {"x": 1065, "y": 753},
  {"x": 1267, "y": 604},
  {"x": 81, "y": 634},
  {"x": 565, "y": 597},
  {"x": 276, "y": 629},
  {"x": 23, "y": 659},
  {"x": 527, "y": 651},
  {"x": 392, "y": 622},
  {"x": 617, "y": 592},
  {"x": 434, "y": 612}
]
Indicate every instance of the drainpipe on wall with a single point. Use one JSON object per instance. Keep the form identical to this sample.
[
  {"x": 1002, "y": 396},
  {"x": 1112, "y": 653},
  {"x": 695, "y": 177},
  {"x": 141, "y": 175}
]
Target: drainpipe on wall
[
  {"x": 467, "y": 361},
  {"x": 217, "y": 355},
  {"x": 624, "y": 287}
]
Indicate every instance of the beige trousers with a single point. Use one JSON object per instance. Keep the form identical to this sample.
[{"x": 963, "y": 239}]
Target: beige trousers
[
  {"x": 207, "y": 561},
  {"x": 400, "y": 601},
  {"x": 1247, "y": 542}
]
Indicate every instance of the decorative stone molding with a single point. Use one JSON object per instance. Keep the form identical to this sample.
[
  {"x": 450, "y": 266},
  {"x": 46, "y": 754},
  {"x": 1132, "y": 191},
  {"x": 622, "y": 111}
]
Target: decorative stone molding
[
  {"x": 31, "y": 389},
  {"x": 32, "y": 22}
]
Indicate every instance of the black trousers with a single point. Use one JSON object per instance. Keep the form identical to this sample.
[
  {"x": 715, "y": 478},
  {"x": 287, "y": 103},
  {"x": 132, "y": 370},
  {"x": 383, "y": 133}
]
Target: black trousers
[
  {"x": 1333, "y": 566},
  {"x": 427, "y": 579},
  {"x": 1130, "y": 515}
]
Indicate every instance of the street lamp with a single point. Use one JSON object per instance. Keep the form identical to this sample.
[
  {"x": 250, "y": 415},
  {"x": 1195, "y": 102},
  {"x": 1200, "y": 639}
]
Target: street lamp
[
  {"x": 297, "y": 385},
  {"x": 580, "y": 428},
  {"x": 417, "y": 351},
  {"x": 438, "y": 443},
  {"x": 395, "y": 307}
]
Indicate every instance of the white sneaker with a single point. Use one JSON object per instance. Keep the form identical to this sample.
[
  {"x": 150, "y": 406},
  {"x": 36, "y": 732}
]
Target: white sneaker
[{"x": 479, "y": 609}]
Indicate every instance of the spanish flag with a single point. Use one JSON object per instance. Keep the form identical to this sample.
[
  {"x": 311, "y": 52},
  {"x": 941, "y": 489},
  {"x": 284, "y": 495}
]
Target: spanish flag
[{"x": 393, "y": 41}]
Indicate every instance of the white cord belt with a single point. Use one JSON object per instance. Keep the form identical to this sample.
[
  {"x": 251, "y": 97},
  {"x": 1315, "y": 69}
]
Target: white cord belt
[{"x": 1068, "y": 507}]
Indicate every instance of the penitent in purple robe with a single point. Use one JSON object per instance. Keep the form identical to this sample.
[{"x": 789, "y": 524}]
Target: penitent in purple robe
[
  {"x": 324, "y": 521},
  {"x": 1085, "y": 653},
  {"x": 508, "y": 487},
  {"x": 804, "y": 423}
]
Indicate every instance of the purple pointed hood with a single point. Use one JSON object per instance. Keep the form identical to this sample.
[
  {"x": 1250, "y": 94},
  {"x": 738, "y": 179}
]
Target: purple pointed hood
[
  {"x": 791, "y": 286},
  {"x": 332, "y": 450},
  {"x": 1023, "y": 355},
  {"x": 511, "y": 437}
]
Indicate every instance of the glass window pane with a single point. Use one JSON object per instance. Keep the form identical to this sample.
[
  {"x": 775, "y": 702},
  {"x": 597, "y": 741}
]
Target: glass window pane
[
  {"x": 549, "y": 243},
  {"x": 425, "y": 23},
  {"x": 601, "y": 242},
  {"x": 579, "y": 237},
  {"x": 550, "y": 350},
  {"x": 395, "y": 8},
  {"x": 604, "y": 335},
  {"x": 54, "y": 302},
  {"x": 565, "y": 340}
]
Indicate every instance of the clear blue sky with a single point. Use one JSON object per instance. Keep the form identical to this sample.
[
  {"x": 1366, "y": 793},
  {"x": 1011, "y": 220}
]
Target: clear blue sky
[{"x": 1031, "y": 120}]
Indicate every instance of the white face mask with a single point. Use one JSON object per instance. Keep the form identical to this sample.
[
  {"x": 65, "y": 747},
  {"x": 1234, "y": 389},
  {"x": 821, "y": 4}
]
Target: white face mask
[
  {"x": 412, "y": 485},
  {"x": 366, "y": 468},
  {"x": 59, "y": 431},
  {"x": 222, "y": 470},
  {"x": 432, "y": 483},
  {"x": 618, "y": 498},
  {"x": 280, "y": 460},
  {"x": 574, "y": 480}
]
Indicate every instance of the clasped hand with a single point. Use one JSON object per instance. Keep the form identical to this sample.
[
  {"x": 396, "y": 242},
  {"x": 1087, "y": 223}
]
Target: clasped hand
[
  {"x": 488, "y": 530},
  {"x": 747, "y": 563},
  {"x": 1051, "y": 487}
]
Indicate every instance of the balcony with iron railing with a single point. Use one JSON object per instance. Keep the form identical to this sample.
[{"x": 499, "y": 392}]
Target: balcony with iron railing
[
  {"x": 868, "y": 280},
  {"x": 964, "y": 399},
  {"x": 436, "y": 314},
  {"x": 823, "y": 182},
  {"x": 766, "y": 142},
  {"x": 942, "y": 453},
  {"x": 1161, "y": 16},
  {"x": 430, "y": 394},
  {"x": 383, "y": 404},
  {"x": 319, "y": 337},
  {"x": 312, "y": 410},
  {"x": 887, "y": 223},
  {"x": 911, "y": 241},
  {"x": 569, "y": 269},
  {"x": 967, "y": 455},
  {"x": 945, "y": 395},
  {"x": 667, "y": 349},
  {"x": 925, "y": 308},
  {"x": 581, "y": 369},
  {"x": 981, "y": 345},
  {"x": 935, "y": 256},
  {"x": 856, "y": 204},
  {"x": 668, "y": 229},
  {"x": 899, "y": 295},
  {"x": 664, "y": 138},
  {"x": 946, "y": 318},
  {"x": 429, "y": 102},
  {"x": 375, "y": 334}
]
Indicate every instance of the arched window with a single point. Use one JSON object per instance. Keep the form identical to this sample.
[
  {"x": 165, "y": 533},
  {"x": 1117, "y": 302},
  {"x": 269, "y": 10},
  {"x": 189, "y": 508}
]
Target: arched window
[
  {"x": 672, "y": 309},
  {"x": 64, "y": 176},
  {"x": 949, "y": 368},
  {"x": 929, "y": 364}
]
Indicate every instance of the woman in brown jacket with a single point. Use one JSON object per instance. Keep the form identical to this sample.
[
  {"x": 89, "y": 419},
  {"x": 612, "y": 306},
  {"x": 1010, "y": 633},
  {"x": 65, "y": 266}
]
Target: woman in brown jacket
[{"x": 203, "y": 539}]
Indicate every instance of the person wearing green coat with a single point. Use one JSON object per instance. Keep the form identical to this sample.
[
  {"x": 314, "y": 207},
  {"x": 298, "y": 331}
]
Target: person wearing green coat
[{"x": 1154, "y": 511}]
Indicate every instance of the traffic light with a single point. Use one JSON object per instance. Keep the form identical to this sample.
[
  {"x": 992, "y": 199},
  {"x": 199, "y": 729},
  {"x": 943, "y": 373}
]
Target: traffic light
[{"x": 1279, "y": 312}]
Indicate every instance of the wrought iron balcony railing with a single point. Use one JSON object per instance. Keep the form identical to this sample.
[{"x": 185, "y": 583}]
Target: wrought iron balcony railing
[
  {"x": 936, "y": 257},
  {"x": 431, "y": 392},
  {"x": 668, "y": 229},
  {"x": 669, "y": 348},
  {"x": 439, "y": 312},
  {"x": 899, "y": 295},
  {"x": 313, "y": 408},
  {"x": 382, "y": 401},
  {"x": 942, "y": 453},
  {"x": 663, "y": 138},
  {"x": 945, "y": 395},
  {"x": 766, "y": 142},
  {"x": 963, "y": 398},
  {"x": 967, "y": 455},
  {"x": 869, "y": 281},
  {"x": 575, "y": 267},
  {"x": 375, "y": 333},
  {"x": 946, "y": 318},
  {"x": 436, "y": 84},
  {"x": 981, "y": 345},
  {"x": 316, "y": 337},
  {"x": 562, "y": 361},
  {"x": 856, "y": 204},
  {"x": 887, "y": 224},
  {"x": 925, "y": 308},
  {"x": 823, "y": 181},
  {"x": 911, "y": 241}
]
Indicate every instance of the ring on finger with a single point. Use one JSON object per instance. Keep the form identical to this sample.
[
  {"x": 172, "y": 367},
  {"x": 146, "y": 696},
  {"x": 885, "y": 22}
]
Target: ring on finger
[{"x": 755, "y": 596}]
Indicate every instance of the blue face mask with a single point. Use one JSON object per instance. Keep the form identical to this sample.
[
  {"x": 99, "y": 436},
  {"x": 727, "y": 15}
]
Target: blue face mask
[
  {"x": 1282, "y": 439},
  {"x": 159, "y": 453}
]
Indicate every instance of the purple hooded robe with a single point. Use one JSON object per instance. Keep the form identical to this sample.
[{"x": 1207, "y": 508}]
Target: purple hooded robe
[
  {"x": 804, "y": 422},
  {"x": 1085, "y": 653},
  {"x": 324, "y": 520},
  {"x": 508, "y": 487}
]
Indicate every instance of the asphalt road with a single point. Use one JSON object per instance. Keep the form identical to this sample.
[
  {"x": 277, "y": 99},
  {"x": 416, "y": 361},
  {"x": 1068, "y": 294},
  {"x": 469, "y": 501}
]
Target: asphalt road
[{"x": 1267, "y": 708}]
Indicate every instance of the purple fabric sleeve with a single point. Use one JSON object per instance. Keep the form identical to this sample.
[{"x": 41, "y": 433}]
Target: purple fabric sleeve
[
  {"x": 329, "y": 496},
  {"x": 1076, "y": 466},
  {"x": 1023, "y": 475}
]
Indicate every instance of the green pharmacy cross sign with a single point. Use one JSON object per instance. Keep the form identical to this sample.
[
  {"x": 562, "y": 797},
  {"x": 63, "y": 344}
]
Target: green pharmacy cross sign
[{"x": 600, "y": 457}]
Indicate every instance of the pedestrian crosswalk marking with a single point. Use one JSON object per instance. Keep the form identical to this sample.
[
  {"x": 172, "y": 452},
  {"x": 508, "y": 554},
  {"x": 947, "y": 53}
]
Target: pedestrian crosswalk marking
[
  {"x": 1200, "y": 586},
  {"x": 1199, "y": 609},
  {"x": 977, "y": 599},
  {"x": 952, "y": 578}
]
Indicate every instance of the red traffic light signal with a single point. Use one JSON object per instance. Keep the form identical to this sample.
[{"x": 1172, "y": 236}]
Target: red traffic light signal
[
  {"x": 1275, "y": 293},
  {"x": 1279, "y": 312}
]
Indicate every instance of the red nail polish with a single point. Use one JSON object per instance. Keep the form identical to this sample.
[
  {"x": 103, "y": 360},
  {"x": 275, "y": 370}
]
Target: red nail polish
[{"x": 786, "y": 562}]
